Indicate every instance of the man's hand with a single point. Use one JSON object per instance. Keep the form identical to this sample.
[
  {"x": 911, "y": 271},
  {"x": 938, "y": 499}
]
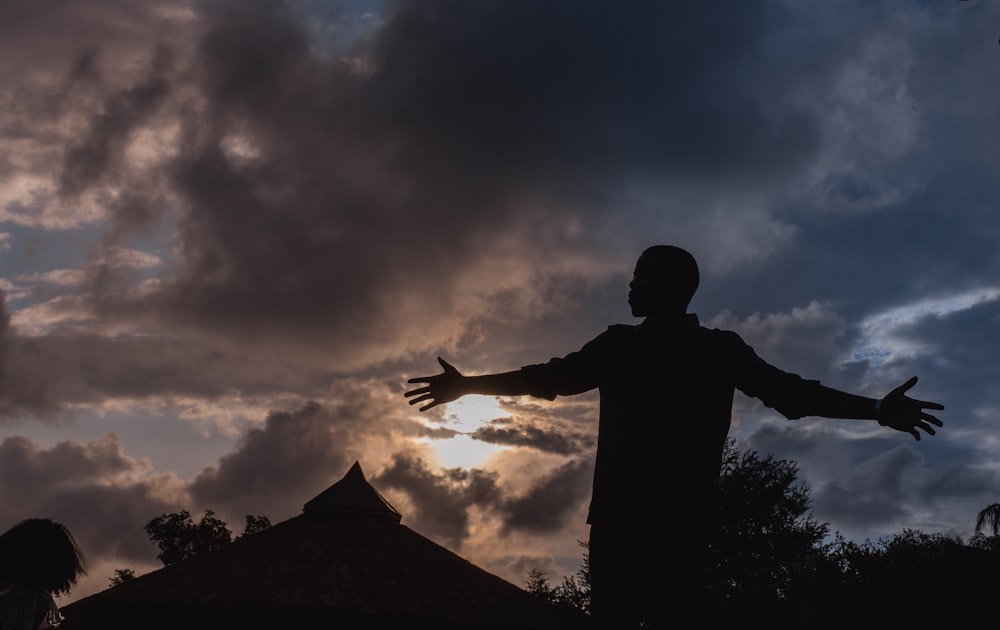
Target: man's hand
[
  {"x": 903, "y": 413},
  {"x": 442, "y": 388}
]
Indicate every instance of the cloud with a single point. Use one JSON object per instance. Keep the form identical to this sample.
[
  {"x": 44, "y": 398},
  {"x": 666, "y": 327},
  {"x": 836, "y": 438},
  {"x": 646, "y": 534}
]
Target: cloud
[
  {"x": 883, "y": 335},
  {"x": 357, "y": 207},
  {"x": 80, "y": 79},
  {"x": 805, "y": 341},
  {"x": 62, "y": 371},
  {"x": 296, "y": 454},
  {"x": 455, "y": 181},
  {"x": 874, "y": 493},
  {"x": 441, "y": 501},
  {"x": 101, "y": 494},
  {"x": 546, "y": 506},
  {"x": 550, "y": 441}
]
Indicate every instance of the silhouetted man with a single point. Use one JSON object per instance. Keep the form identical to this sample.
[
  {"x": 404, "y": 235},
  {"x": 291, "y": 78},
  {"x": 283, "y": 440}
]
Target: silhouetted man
[{"x": 666, "y": 388}]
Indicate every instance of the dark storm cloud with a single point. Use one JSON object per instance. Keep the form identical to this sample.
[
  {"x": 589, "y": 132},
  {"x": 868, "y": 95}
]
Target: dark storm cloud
[
  {"x": 82, "y": 81},
  {"x": 804, "y": 341},
  {"x": 41, "y": 32},
  {"x": 546, "y": 506},
  {"x": 44, "y": 374},
  {"x": 87, "y": 161},
  {"x": 441, "y": 501},
  {"x": 966, "y": 481},
  {"x": 546, "y": 90},
  {"x": 897, "y": 489},
  {"x": 102, "y": 495},
  {"x": 855, "y": 485},
  {"x": 297, "y": 454},
  {"x": 292, "y": 451},
  {"x": 876, "y": 483},
  {"x": 368, "y": 182},
  {"x": 342, "y": 204},
  {"x": 17, "y": 399},
  {"x": 546, "y": 440},
  {"x": 965, "y": 343}
]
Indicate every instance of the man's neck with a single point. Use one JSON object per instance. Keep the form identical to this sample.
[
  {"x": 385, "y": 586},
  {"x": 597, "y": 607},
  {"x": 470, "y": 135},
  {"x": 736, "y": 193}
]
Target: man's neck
[{"x": 665, "y": 320}]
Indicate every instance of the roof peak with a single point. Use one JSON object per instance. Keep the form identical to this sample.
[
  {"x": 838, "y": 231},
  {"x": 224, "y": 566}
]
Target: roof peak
[{"x": 352, "y": 495}]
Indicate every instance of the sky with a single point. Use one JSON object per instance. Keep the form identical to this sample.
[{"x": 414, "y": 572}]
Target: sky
[{"x": 231, "y": 230}]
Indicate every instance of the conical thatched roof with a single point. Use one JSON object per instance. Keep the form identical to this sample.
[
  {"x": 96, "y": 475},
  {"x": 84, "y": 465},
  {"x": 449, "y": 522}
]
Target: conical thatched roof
[
  {"x": 345, "y": 562},
  {"x": 352, "y": 494}
]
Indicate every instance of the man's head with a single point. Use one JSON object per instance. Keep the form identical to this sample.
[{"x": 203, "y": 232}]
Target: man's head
[{"x": 664, "y": 282}]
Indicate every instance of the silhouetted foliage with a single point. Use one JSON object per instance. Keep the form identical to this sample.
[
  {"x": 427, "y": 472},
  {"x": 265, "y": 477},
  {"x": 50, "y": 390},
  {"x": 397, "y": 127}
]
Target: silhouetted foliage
[
  {"x": 764, "y": 541},
  {"x": 771, "y": 566},
  {"x": 571, "y": 599},
  {"x": 179, "y": 537},
  {"x": 573, "y": 593},
  {"x": 986, "y": 543},
  {"x": 931, "y": 580},
  {"x": 254, "y": 524},
  {"x": 121, "y": 576},
  {"x": 989, "y": 516}
]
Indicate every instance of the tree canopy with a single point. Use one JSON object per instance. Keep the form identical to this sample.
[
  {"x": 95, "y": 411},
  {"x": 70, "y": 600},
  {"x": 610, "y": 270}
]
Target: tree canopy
[
  {"x": 773, "y": 563},
  {"x": 179, "y": 537}
]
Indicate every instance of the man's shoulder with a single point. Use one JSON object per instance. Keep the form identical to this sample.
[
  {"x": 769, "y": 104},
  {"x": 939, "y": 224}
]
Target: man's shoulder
[
  {"x": 691, "y": 329},
  {"x": 721, "y": 337},
  {"x": 620, "y": 329},
  {"x": 718, "y": 333},
  {"x": 614, "y": 336}
]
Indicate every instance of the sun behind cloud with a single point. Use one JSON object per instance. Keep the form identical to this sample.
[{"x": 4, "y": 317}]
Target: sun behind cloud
[{"x": 465, "y": 415}]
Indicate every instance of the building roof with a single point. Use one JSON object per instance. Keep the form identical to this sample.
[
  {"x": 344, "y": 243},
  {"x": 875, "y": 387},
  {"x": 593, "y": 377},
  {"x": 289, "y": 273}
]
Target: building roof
[
  {"x": 352, "y": 495},
  {"x": 347, "y": 559}
]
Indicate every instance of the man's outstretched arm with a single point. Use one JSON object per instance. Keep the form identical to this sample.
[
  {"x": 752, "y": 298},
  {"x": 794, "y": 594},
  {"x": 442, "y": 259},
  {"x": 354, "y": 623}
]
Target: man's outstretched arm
[
  {"x": 451, "y": 384},
  {"x": 896, "y": 410}
]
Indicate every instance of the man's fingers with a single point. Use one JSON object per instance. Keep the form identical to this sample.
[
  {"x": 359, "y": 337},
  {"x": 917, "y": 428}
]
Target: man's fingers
[
  {"x": 421, "y": 399},
  {"x": 899, "y": 391},
  {"x": 929, "y": 418},
  {"x": 424, "y": 395},
  {"x": 417, "y": 392}
]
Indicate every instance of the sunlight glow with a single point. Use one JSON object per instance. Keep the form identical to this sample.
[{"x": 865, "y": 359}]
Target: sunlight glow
[
  {"x": 468, "y": 411},
  {"x": 466, "y": 415}
]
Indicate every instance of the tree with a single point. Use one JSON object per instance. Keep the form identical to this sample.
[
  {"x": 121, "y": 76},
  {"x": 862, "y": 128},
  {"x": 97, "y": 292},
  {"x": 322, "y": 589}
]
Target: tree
[
  {"x": 764, "y": 540},
  {"x": 764, "y": 543},
  {"x": 179, "y": 537},
  {"x": 933, "y": 580},
  {"x": 573, "y": 593},
  {"x": 988, "y": 518},
  {"x": 121, "y": 576},
  {"x": 571, "y": 599},
  {"x": 989, "y": 515},
  {"x": 770, "y": 566},
  {"x": 254, "y": 524}
]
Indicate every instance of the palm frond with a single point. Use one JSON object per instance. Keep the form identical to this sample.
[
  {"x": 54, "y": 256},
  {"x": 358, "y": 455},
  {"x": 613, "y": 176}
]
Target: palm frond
[{"x": 989, "y": 515}]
